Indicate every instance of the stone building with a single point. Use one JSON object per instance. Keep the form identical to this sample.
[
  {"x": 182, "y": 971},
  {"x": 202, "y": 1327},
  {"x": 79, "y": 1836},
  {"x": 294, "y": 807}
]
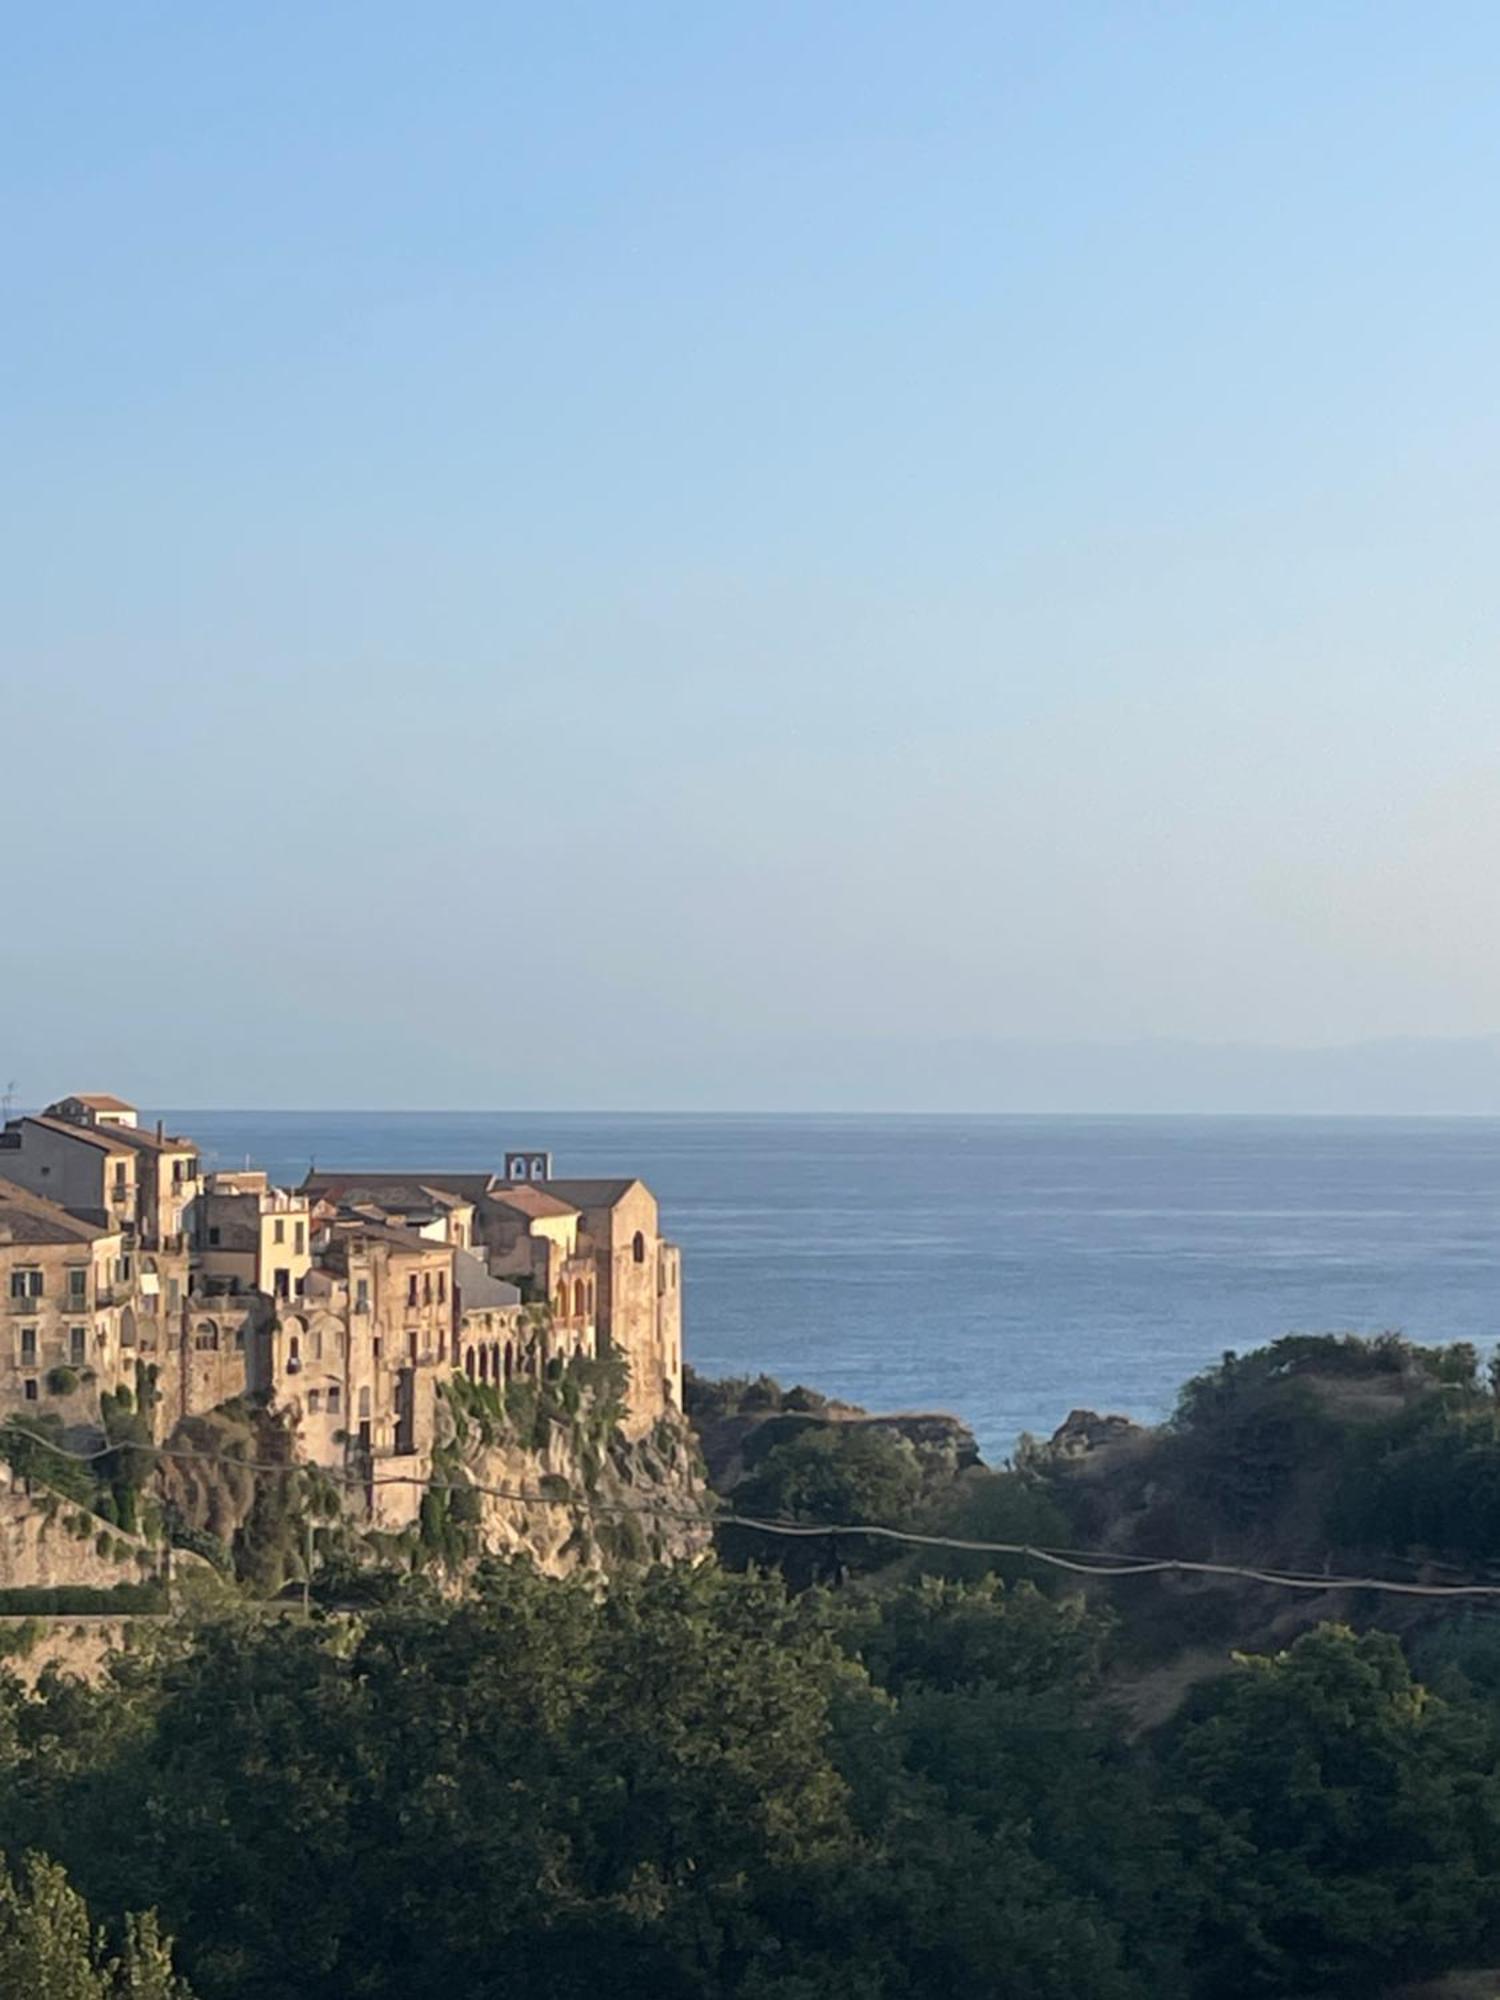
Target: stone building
[
  {"x": 639, "y": 1275},
  {"x": 591, "y": 1251},
  {"x": 357, "y": 1360},
  {"x": 347, "y": 1303},
  {"x": 62, "y": 1291},
  {"x": 252, "y": 1237}
]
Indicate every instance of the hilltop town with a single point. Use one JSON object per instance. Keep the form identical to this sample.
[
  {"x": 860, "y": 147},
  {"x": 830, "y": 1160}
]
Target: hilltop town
[{"x": 348, "y": 1310}]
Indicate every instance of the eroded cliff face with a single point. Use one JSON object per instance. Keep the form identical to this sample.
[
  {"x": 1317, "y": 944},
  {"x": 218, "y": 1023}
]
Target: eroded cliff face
[
  {"x": 558, "y": 1480},
  {"x": 642, "y": 1500}
]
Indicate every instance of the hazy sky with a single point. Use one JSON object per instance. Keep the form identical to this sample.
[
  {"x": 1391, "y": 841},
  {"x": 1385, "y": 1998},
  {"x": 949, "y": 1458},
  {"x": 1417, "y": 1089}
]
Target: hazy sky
[{"x": 734, "y": 554}]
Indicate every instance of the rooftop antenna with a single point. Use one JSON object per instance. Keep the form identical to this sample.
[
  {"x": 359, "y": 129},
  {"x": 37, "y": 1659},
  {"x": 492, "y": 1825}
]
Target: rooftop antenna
[{"x": 8, "y": 1099}]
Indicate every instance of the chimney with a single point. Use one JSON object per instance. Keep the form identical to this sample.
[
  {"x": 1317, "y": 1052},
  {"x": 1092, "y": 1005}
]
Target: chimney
[{"x": 160, "y": 1131}]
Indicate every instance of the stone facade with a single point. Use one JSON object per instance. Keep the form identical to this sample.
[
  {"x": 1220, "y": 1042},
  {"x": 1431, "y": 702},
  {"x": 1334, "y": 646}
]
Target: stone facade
[
  {"x": 346, "y": 1303},
  {"x": 66, "y": 1327}
]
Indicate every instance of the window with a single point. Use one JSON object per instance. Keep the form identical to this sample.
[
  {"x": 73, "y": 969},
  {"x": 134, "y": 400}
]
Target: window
[
  {"x": 333, "y": 1399},
  {"x": 411, "y": 1289},
  {"x": 314, "y": 1402},
  {"x": 28, "y": 1347},
  {"x": 442, "y": 1288},
  {"x": 122, "y": 1267},
  {"x": 30, "y": 1389},
  {"x": 78, "y": 1345},
  {"x": 362, "y": 1295},
  {"x": 638, "y": 1248},
  {"x": 375, "y": 1348},
  {"x": 177, "y": 1173},
  {"x": 78, "y": 1285},
  {"x": 26, "y": 1284},
  {"x": 206, "y": 1338},
  {"x": 300, "y": 1233},
  {"x": 213, "y": 1236},
  {"x": 427, "y": 1288},
  {"x": 283, "y": 1283},
  {"x": 278, "y": 1232}
]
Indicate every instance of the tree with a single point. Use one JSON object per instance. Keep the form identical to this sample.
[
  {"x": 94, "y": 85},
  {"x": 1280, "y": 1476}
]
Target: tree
[
  {"x": 49, "y": 1949},
  {"x": 836, "y": 1473},
  {"x": 1341, "y": 1823}
]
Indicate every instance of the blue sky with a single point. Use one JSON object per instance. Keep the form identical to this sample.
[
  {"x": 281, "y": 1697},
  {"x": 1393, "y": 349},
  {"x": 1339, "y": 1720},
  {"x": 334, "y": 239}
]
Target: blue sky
[{"x": 681, "y": 555}]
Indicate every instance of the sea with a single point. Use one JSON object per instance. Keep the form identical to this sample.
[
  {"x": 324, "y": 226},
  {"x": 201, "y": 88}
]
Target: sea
[{"x": 1004, "y": 1269}]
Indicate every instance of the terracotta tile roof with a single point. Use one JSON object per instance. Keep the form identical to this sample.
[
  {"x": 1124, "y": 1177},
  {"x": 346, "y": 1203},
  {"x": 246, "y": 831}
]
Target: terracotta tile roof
[
  {"x": 594, "y": 1194},
  {"x": 99, "y": 1100},
  {"x": 529, "y": 1200}
]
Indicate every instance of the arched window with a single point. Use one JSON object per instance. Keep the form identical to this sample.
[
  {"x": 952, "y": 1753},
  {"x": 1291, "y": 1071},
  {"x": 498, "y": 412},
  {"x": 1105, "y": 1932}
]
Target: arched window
[
  {"x": 293, "y": 1356},
  {"x": 469, "y": 1363},
  {"x": 562, "y": 1302},
  {"x": 638, "y": 1248},
  {"x": 206, "y": 1336},
  {"x": 484, "y": 1364},
  {"x": 510, "y": 1361}
]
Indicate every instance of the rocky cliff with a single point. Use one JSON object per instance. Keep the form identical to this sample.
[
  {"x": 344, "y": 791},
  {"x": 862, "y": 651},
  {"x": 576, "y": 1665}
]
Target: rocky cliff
[{"x": 549, "y": 1473}]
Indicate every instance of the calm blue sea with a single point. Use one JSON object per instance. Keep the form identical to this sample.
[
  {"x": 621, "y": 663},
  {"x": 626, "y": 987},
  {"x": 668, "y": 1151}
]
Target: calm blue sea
[{"x": 1006, "y": 1269}]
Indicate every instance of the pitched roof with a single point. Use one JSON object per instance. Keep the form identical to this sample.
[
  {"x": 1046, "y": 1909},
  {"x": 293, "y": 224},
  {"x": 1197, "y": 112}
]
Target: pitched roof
[
  {"x": 477, "y": 1290},
  {"x": 594, "y": 1194},
  {"x": 386, "y": 1232},
  {"x": 144, "y": 1142},
  {"x": 98, "y": 1100},
  {"x": 108, "y": 1138},
  {"x": 529, "y": 1200},
  {"x": 30, "y": 1218}
]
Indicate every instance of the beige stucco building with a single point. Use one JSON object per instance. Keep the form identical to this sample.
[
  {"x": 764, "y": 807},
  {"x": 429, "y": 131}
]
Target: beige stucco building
[
  {"x": 590, "y": 1251},
  {"x": 61, "y": 1292},
  {"x": 345, "y": 1304}
]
